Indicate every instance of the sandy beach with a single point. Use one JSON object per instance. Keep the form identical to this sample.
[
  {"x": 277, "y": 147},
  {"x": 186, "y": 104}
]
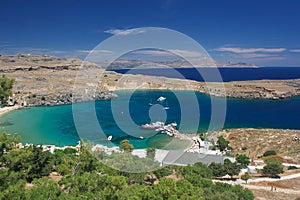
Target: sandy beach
[{"x": 8, "y": 109}]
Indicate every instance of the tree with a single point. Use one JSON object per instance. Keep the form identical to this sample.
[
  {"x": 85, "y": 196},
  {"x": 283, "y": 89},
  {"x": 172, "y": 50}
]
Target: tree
[
  {"x": 41, "y": 164},
  {"x": 272, "y": 160},
  {"x": 196, "y": 170},
  {"x": 126, "y": 146},
  {"x": 87, "y": 178},
  {"x": 269, "y": 153},
  {"x": 231, "y": 168},
  {"x": 243, "y": 160},
  {"x": 218, "y": 169},
  {"x": 6, "y": 85},
  {"x": 8, "y": 143},
  {"x": 246, "y": 177},
  {"x": 222, "y": 143},
  {"x": 273, "y": 169},
  {"x": 45, "y": 188},
  {"x": 162, "y": 172}
]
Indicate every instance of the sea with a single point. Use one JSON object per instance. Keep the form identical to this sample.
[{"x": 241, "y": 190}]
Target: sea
[
  {"x": 227, "y": 73},
  {"x": 122, "y": 117}
]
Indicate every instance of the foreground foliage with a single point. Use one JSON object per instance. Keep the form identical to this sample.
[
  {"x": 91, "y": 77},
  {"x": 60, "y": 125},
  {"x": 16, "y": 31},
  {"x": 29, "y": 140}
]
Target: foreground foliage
[
  {"x": 6, "y": 85},
  {"x": 24, "y": 174}
]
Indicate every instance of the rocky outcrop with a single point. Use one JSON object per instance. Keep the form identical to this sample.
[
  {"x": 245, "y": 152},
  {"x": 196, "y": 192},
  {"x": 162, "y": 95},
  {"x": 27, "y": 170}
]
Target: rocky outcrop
[{"x": 53, "y": 100}]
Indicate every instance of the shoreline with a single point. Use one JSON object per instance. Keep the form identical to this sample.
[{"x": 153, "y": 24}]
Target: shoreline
[{"x": 7, "y": 109}]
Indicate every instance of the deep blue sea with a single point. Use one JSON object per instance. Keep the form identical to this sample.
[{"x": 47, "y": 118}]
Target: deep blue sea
[
  {"x": 227, "y": 74},
  {"x": 121, "y": 118}
]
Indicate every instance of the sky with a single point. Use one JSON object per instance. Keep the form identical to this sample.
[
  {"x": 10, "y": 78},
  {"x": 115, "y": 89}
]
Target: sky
[{"x": 264, "y": 32}]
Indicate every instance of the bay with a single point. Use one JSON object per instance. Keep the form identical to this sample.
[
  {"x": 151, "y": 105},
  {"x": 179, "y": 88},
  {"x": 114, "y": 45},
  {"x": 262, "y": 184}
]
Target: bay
[{"x": 56, "y": 125}]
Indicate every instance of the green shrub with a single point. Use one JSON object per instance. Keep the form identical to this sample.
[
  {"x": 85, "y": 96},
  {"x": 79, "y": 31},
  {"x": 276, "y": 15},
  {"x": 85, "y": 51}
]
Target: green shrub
[
  {"x": 272, "y": 160},
  {"x": 165, "y": 171},
  {"x": 269, "y": 153},
  {"x": 292, "y": 167},
  {"x": 70, "y": 151},
  {"x": 244, "y": 148}
]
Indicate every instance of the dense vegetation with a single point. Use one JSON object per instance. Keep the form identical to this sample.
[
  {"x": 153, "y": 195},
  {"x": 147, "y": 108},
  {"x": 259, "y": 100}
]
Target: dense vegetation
[
  {"x": 6, "y": 85},
  {"x": 24, "y": 174},
  {"x": 269, "y": 153},
  {"x": 273, "y": 167}
]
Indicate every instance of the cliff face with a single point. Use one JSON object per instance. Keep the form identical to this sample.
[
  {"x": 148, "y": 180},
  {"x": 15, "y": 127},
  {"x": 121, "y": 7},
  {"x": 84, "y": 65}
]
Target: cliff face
[{"x": 47, "y": 80}]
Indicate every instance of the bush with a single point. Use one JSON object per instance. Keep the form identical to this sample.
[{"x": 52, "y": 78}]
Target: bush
[
  {"x": 69, "y": 151},
  {"x": 269, "y": 153},
  {"x": 292, "y": 167},
  {"x": 272, "y": 160},
  {"x": 6, "y": 85},
  {"x": 243, "y": 160},
  {"x": 165, "y": 171},
  {"x": 244, "y": 148},
  {"x": 273, "y": 169}
]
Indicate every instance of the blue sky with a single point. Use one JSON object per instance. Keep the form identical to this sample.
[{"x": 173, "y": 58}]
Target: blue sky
[{"x": 259, "y": 32}]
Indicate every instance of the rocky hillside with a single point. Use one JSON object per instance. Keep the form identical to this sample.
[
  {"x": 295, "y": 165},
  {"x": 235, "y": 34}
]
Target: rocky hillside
[
  {"x": 27, "y": 62},
  {"x": 48, "y": 80},
  {"x": 254, "y": 142}
]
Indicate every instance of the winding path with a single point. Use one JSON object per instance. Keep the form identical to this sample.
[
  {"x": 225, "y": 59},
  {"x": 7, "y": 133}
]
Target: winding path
[
  {"x": 255, "y": 187},
  {"x": 266, "y": 188}
]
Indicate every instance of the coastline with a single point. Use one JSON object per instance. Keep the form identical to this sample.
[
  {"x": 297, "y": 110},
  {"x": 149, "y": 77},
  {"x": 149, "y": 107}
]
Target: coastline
[{"x": 7, "y": 109}]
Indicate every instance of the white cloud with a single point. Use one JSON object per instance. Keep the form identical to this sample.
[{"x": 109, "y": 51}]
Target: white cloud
[
  {"x": 125, "y": 31},
  {"x": 258, "y": 55},
  {"x": 295, "y": 50},
  {"x": 152, "y": 52},
  {"x": 95, "y": 51},
  {"x": 184, "y": 53},
  {"x": 251, "y": 50}
]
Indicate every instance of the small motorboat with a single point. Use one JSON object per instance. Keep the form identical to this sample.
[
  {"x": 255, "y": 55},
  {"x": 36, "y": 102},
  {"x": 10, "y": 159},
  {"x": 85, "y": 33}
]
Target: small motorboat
[
  {"x": 141, "y": 137},
  {"x": 174, "y": 124},
  {"x": 159, "y": 129},
  {"x": 109, "y": 138},
  {"x": 151, "y": 103},
  {"x": 161, "y": 98}
]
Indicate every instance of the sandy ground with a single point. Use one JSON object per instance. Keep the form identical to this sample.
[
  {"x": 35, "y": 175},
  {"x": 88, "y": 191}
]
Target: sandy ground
[{"x": 8, "y": 109}]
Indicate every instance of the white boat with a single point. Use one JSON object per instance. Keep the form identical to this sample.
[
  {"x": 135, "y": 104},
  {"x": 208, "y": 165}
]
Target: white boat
[
  {"x": 141, "y": 137},
  {"x": 151, "y": 103},
  {"x": 159, "y": 129},
  {"x": 161, "y": 98},
  {"x": 109, "y": 138},
  {"x": 174, "y": 124},
  {"x": 166, "y": 107},
  {"x": 169, "y": 134}
]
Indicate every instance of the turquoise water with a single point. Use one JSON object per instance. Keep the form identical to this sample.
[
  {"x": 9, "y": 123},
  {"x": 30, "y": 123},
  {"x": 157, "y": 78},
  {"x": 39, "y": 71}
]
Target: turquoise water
[{"x": 121, "y": 118}]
